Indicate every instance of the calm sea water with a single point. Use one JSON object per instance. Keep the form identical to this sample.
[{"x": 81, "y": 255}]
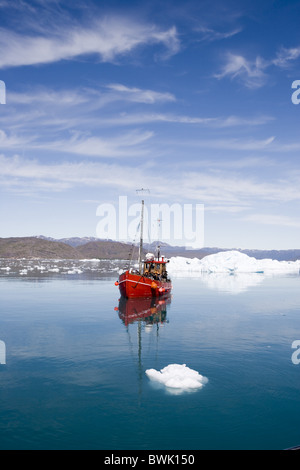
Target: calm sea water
[{"x": 74, "y": 360}]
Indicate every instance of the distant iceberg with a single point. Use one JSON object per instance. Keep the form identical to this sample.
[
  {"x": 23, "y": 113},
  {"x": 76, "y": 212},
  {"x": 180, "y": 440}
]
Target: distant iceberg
[{"x": 230, "y": 262}]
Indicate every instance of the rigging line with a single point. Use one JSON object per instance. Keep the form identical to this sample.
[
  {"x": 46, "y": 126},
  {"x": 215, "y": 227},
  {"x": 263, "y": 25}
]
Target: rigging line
[
  {"x": 133, "y": 246},
  {"x": 149, "y": 236},
  {"x": 158, "y": 241},
  {"x": 134, "y": 287}
]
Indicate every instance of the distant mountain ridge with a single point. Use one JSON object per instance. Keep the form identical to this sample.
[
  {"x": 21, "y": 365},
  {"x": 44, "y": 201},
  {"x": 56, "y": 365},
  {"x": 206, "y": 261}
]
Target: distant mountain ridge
[
  {"x": 72, "y": 241},
  {"x": 90, "y": 247}
]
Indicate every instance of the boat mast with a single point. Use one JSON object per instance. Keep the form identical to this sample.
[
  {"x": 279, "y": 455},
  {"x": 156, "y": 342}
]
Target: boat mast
[
  {"x": 158, "y": 237},
  {"x": 141, "y": 238}
]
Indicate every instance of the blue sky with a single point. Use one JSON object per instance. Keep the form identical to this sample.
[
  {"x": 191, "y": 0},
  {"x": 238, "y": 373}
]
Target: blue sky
[{"x": 189, "y": 99}]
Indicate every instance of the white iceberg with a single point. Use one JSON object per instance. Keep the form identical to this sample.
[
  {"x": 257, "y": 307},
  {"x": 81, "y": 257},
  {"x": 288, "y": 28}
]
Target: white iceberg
[
  {"x": 230, "y": 262},
  {"x": 178, "y": 377}
]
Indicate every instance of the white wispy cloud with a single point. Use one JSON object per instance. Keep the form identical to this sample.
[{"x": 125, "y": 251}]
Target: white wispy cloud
[
  {"x": 17, "y": 172},
  {"x": 114, "y": 145},
  {"x": 139, "y": 95},
  {"x": 232, "y": 121},
  {"x": 233, "y": 164},
  {"x": 222, "y": 188},
  {"x": 82, "y": 121},
  {"x": 272, "y": 219},
  {"x": 233, "y": 144},
  {"x": 286, "y": 56},
  {"x": 209, "y": 34},
  {"x": 87, "y": 98},
  {"x": 252, "y": 74},
  {"x": 50, "y": 97},
  {"x": 92, "y": 99},
  {"x": 126, "y": 119},
  {"x": 86, "y": 109},
  {"x": 14, "y": 141},
  {"x": 129, "y": 145},
  {"x": 107, "y": 38}
]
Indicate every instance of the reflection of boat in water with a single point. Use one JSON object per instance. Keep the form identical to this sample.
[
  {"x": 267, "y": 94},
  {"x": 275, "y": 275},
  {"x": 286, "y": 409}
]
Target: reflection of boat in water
[
  {"x": 138, "y": 313},
  {"x": 149, "y": 310}
]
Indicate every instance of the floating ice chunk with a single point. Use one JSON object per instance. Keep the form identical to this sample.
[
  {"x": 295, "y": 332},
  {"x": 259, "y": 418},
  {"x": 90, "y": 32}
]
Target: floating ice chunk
[
  {"x": 40, "y": 268},
  {"x": 92, "y": 260},
  {"x": 178, "y": 376}
]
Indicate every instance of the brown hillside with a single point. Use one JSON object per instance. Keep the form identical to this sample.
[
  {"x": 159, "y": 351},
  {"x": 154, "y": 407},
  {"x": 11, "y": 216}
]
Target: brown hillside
[
  {"x": 31, "y": 247},
  {"x": 105, "y": 250}
]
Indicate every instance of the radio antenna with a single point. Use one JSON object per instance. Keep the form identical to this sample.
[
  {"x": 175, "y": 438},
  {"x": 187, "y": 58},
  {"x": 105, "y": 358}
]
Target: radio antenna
[{"x": 143, "y": 191}]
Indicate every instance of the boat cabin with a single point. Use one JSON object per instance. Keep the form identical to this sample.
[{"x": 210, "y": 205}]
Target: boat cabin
[{"x": 155, "y": 269}]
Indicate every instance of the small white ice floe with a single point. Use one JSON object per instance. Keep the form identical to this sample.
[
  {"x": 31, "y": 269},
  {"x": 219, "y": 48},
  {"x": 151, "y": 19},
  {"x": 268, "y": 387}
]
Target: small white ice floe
[
  {"x": 178, "y": 378},
  {"x": 75, "y": 271}
]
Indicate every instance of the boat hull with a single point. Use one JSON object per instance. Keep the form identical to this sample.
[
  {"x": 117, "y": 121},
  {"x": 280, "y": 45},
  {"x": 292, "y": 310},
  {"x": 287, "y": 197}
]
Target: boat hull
[{"x": 135, "y": 285}]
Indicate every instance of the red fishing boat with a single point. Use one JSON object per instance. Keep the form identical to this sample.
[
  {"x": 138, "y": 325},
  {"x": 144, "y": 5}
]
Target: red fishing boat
[{"x": 150, "y": 279}]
